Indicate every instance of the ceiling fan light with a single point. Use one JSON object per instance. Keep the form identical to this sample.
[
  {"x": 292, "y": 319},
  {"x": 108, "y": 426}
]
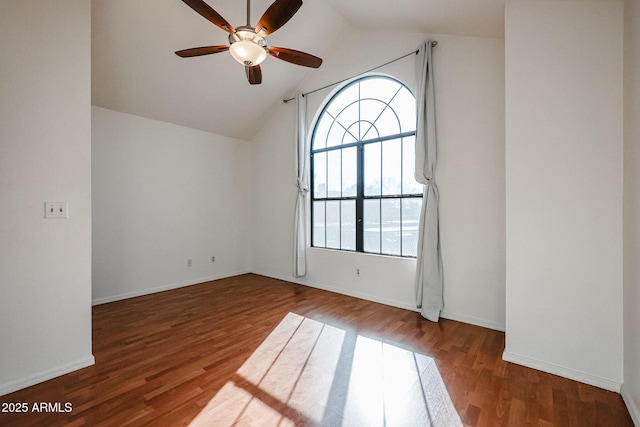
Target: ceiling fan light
[
  {"x": 248, "y": 52},
  {"x": 245, "y": 33}
]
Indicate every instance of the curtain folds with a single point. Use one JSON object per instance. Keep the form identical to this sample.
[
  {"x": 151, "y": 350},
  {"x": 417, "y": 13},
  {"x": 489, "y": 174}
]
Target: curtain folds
[
  {"x": 300, "y": 231},
  {"x": 429, "y": 275}
]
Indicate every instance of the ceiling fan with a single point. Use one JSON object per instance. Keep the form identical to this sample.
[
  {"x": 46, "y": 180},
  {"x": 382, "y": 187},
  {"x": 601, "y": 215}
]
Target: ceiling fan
[{"x": 248, "y": 45}]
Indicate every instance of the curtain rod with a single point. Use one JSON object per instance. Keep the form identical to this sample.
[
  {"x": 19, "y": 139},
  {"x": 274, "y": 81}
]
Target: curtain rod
[{"x": 415, "y": 52}]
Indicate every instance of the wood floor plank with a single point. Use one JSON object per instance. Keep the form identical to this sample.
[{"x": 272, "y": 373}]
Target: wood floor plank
[{"x": 251, "y": 350}]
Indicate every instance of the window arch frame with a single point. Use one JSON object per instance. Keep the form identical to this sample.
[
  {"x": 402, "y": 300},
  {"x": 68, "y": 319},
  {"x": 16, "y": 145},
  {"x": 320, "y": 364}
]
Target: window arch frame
[{"x": 359, "y": 143}]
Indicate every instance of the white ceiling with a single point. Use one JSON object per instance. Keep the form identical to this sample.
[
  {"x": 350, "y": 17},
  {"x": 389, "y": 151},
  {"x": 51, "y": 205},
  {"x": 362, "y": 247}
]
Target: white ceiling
[
  {"x": 135, "y": 70},
  {"x": 481, "y": 18}
]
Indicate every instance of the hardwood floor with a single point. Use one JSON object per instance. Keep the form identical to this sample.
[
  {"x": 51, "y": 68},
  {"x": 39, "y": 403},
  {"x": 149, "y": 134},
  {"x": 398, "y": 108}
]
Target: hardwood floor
[{"x": 250, "y": 350}]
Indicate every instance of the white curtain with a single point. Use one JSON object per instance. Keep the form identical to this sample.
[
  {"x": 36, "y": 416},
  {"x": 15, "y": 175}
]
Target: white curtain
[
  {"x": 299, "y": 232},
  {"x": 429, "y": 277}
]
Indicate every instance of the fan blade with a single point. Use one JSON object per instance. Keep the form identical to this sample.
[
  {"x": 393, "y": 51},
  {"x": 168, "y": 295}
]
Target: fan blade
[
  {"x": 199, "y": 51},
  {"x": 277, "y": 15},
  {"x": 254, "y": 74},
  {"x": 208, "y": 13},
  {"x": 295, "y": 57}
]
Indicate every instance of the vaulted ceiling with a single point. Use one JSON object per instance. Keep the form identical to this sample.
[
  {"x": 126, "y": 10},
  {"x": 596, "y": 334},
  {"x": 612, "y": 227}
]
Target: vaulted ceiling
[{"x": 135, "y": 69}]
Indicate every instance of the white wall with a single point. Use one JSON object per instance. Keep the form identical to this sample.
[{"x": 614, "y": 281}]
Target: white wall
[
  {"x": 631, "y": 388},
  {"x": 45, "y": 142},
  {"x": 564, "y": 158},
  {"x": 163, "y": 194},
  {"x": 469, "y": 75}
]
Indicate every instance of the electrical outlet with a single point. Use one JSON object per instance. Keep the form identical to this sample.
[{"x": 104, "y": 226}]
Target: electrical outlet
[
  {"x": 189, "y": 263},
  {"x": 357, "y": 272},
  {"x": 213, "y": 259},
  {"x": 56, "y": 210}
]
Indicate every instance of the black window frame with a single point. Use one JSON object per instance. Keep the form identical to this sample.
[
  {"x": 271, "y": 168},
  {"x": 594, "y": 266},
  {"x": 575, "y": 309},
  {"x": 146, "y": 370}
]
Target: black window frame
[{"x": 360, "y": 145}]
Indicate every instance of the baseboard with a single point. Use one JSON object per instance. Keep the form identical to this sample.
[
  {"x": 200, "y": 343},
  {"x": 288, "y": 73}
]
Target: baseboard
[
  {"x": 301, "y": 281},
  {"x": 473, "y": 321},
  {"x": 337, "y": 290},
  {"x": 45, "y": 375},
  {"x": 562, "y": 371},
  {"x": 148, "y": 291},
  {"x": 632, "y": 406},
  {"x": 393, "y": 303}
]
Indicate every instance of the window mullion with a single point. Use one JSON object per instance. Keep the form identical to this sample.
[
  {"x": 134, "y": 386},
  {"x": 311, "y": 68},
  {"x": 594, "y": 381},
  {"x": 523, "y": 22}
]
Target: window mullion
[{"x": 355, "y": 122}]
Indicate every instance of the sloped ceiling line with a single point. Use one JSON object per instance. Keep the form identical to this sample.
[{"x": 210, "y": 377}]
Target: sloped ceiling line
[{"x": 135, "y": 70}]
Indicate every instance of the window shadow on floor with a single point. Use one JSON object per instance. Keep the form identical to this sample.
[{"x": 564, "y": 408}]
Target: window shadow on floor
[{"x": 310, "y": 373}]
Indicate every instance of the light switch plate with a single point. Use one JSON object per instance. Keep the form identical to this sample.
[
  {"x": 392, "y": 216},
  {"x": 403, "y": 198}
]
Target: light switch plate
[{"x": 56, "y": 210}]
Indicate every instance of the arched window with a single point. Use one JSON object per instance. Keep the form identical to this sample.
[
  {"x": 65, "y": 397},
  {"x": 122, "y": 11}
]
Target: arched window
[{"x": 364, "y": 194}]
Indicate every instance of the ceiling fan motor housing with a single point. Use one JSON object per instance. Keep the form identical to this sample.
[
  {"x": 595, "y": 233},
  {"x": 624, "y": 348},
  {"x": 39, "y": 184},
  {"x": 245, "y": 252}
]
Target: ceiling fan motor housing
[{"x": 247, "y": 47}]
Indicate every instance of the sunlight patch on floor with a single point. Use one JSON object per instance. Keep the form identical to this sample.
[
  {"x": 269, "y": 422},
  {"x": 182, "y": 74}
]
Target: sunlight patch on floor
[{"x": 310, "y": 373}]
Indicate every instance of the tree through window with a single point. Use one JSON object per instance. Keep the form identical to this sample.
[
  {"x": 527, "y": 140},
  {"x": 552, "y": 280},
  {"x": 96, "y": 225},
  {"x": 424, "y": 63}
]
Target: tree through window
[{"x": 364, "y": 194}]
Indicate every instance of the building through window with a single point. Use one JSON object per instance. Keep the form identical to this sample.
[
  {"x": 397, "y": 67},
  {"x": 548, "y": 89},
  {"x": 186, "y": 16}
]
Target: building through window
[{"x": 364, "y": 194}]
